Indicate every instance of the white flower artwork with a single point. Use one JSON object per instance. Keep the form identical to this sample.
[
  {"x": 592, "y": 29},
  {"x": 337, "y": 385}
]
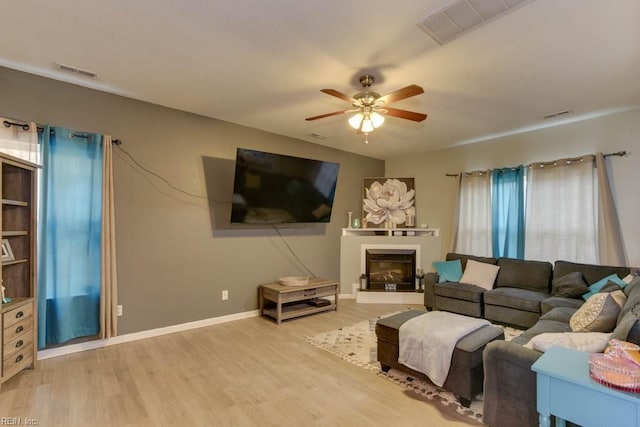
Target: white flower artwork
[{"x": 393, "y": 201}]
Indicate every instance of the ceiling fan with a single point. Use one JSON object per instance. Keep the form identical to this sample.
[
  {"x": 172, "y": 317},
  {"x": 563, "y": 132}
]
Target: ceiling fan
[{"x": 371, "y": 107}]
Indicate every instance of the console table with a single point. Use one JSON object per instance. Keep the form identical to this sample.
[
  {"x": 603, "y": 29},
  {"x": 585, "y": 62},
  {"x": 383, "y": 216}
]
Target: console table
[
  {"x": 566, "y": 391},
  {"x": 294, "y": 301}
]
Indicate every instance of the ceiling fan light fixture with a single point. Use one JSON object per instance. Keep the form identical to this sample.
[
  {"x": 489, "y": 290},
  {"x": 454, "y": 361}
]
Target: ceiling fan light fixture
[
  {"x": 377, "y": 119},
  {"x": 356, "y": 120},
  {"x": 367, "y": 105},
  {"x": 367, "y": 125}
]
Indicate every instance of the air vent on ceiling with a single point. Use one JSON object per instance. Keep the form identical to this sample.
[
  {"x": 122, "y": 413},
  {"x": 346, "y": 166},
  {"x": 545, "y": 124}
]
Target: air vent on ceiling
[
  {"x": 77, "y": 71},
  {"x": 461, "y": 16},
  {"x": 317, "y": 136},
  {"x": 558, "y": 114}
]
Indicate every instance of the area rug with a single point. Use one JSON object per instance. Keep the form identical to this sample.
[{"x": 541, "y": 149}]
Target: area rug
[{"x": 357, "y": 344}]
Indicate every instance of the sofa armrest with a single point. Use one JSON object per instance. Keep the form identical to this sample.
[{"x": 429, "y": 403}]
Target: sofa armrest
[
  {"x": 430, "y": 280},
  {"x": 509, "y": 385}
]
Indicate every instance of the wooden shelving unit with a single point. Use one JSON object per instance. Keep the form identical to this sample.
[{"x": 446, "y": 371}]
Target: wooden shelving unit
[
  {"x": 18, "y": 318},
  {"x": 288, "y": 302}
]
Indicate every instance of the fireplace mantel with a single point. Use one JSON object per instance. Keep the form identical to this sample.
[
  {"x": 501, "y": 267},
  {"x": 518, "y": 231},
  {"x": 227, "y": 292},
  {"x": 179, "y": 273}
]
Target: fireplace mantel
[
  {"x": 395, "y": 232},
  {"x": 354, "y": 241}
]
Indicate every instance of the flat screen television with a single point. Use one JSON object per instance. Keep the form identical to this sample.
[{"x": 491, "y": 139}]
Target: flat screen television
[{"x": 271, "y": 188}]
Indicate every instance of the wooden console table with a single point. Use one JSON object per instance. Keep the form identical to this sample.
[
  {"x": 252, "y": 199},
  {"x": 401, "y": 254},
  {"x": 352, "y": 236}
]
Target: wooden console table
[
  {"x": 294, "y": 301},
  {"x": 566, "y": 391}
]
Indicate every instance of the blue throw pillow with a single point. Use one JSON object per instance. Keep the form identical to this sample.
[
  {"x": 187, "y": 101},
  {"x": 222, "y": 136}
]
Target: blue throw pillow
[
  {"x": 449, "y": 271},
  {"x": 596, "y": 287}
]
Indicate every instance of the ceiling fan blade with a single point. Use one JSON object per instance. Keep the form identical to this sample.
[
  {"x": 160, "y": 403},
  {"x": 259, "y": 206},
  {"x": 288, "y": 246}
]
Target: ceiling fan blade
[
  {"x": 322, "y": 116},
  {"x": 340, "y": 95},
  {"x": 405, "y": 92},
  {"x": 403, "y": 114}
]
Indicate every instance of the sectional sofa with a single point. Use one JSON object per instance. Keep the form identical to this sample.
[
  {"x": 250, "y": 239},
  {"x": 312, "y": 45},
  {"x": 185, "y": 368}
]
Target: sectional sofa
[{"x": 535, "y": 296}]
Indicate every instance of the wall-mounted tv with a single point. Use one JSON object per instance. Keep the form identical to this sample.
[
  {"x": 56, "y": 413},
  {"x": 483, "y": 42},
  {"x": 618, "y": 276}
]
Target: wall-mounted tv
[{"x": 271, "y": 188}]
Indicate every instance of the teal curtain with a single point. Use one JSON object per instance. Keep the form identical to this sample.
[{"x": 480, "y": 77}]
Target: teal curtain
[
  {"x": 70, "y": 227},
  {"x": 507, "y": 207}
]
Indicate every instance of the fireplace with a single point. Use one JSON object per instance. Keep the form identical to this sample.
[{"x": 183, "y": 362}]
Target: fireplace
[{"x": 391, "y": 269}]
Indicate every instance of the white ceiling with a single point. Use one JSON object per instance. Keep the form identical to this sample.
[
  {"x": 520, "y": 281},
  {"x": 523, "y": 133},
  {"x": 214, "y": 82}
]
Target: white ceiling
[{"x": 261, "y": 63}]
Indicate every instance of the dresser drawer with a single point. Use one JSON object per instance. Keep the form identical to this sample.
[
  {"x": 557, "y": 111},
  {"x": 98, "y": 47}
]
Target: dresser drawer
[
  {"x": 17, "y": 361},
  {"x": 18, "y": 343},
  {"x": 17, "y": 314},
  {"x": 22, "y": 327},
  {"x": 303, "y": 294},
  {"x": 299, "y": 295}
]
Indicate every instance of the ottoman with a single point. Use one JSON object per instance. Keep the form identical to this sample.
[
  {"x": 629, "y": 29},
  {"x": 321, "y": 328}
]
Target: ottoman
[{"x": 465, "y": 375}]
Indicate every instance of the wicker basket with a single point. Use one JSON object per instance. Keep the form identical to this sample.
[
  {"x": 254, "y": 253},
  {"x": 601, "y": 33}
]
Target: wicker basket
[{"x": 294, "y": 280}]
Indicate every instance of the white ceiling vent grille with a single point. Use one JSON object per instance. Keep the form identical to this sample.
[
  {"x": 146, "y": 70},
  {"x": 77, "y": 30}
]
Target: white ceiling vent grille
[
  {"x": 461, "y": 16},
  {"x": 77, "y": 71}
]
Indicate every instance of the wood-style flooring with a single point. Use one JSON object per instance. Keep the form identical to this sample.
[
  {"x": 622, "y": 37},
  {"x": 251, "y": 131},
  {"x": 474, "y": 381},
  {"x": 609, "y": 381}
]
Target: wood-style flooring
[{"x": 249, "y": 372}]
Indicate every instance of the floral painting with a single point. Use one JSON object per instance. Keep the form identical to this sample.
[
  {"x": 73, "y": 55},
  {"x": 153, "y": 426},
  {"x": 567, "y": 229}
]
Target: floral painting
[{"x": 389, "y": 201}]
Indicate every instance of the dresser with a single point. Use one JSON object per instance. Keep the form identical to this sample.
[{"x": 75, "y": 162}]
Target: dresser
[{"x": 18, "y": 338}]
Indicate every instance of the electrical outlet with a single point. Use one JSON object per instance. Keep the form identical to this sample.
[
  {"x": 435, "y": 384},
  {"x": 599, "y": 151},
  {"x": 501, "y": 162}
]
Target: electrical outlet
[
  {"x": 225, "y": 295},
  {"x": 119, "y": 310}
]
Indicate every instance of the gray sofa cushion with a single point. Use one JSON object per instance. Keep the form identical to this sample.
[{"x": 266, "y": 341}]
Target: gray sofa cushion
[
  {"x": 592, "y": 273},
  {"x": 460, "y": 306},
  {"x": 521, "y": 319},
  {"x": 520, "y": 299},
  {"x": 610, "y": 287},
  {"x": 571, "y": 285},
  {"x": 517, "y": 273},
  {"x": 628, "y": 328},
  {"x": 550, "y": 303},
  {"x": 632, "y": 291},
  {"x": 559, "y": 314},
  {"x": 461, "y": 291}
]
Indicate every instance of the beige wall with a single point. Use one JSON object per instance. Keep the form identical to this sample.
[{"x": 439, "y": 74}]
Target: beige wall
[
  {"x": 435, "y": 192},
  {"x": 172, "y": 263}
]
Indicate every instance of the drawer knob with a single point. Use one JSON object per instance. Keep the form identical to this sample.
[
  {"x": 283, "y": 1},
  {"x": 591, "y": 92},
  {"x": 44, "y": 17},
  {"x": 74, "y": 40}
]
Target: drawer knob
[
  {"x": 19, "y": 314},
  {"x": 19, "y": 329},
  {"x": 19, "y": 358},
  {"x": 19, "y": 343}
]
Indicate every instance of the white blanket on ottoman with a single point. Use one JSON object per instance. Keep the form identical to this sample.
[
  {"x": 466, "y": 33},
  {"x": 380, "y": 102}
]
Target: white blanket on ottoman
[{"x": 426, "y": 342}]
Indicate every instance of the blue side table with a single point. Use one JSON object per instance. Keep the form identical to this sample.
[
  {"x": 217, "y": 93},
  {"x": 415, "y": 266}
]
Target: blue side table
[{"x": 566, "y": 391}]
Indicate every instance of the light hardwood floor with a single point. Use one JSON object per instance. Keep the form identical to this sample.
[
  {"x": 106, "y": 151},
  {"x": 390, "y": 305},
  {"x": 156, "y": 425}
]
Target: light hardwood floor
[{"x": 249, "y": 372}]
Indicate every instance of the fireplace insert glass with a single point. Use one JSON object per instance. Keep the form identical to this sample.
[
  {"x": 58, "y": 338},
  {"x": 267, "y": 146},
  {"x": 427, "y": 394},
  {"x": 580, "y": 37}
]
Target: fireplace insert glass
[{"x": 391, "y": 269}]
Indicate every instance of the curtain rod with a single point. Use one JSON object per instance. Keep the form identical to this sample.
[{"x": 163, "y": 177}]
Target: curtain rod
[
  {"x": 25, "y": 127},
  {"x": 617, "y": 153}
]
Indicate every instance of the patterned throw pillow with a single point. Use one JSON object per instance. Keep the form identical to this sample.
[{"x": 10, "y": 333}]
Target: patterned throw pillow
[{"x": 599, "y": 313}]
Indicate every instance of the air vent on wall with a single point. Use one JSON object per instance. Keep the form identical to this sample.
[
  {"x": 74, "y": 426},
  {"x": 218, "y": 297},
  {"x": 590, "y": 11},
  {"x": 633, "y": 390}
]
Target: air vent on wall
[
  {"x": 461, "y": 16},
  {"x": 77, "y": 71}
]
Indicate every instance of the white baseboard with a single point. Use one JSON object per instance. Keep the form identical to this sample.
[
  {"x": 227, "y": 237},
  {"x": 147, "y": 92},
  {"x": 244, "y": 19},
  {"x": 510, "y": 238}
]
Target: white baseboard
[{"x": 135, "y": 336}]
